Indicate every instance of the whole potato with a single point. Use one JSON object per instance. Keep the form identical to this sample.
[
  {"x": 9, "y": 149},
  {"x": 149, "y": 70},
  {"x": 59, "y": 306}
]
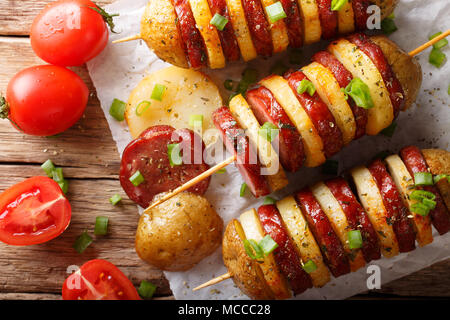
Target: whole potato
[{"x": 179, "y": 233}]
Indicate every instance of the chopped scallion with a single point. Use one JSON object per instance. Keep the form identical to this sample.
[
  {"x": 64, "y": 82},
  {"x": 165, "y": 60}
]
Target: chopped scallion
[
  {"x": 422, "y": 194},
  {"x": 115, "y": 199},
  {"x": 142, "y": 107},
  {"x": 441, "y": 43},
  {"x": 275, "y": 12},
  {"x": 137, "y": 178},
  {"x": 219, "y": 21},
  {"x": 82, "y": 242},
  {"x": 221, "y": 171},
  {"x": 354, "y": 239},
  {"x": 146, "y": 289},
  {"x": 173, "y": 151},
  {"x": 196, "y": 121},
  {"x": 441, "y": 176},
  {"x": 117, "y": 109},
  {"x": 337, "y": 5},
  {"x": 360, "y": 93},
  {"x": 267, "y": 245},
  {"x": 436, "y": 58},
  {"x": 309, "y": 266},
  {"x": 158, "y": 92},
  {"x": 420, "y": 209},
  {"x": 268, "y": 131},
  {"x": 269, "y": 200},
  {"x": 48, "y": 168},
  {"x": 306, "y": 86},
  {"x": 101, "y": 226},
  {"x": 423, "y": 179},
  {"x": 243, "y": 189},
  {"x": 431, "y": 204},
  {"x": 253, "y": 250}
]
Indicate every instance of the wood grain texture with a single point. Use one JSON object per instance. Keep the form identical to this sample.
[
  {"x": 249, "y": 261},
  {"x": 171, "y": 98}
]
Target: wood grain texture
[{"x": 91, "y": 163}]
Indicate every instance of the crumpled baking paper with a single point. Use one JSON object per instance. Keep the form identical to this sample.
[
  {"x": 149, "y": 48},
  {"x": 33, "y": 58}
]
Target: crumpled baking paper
[{"x": 120, "y": 67}]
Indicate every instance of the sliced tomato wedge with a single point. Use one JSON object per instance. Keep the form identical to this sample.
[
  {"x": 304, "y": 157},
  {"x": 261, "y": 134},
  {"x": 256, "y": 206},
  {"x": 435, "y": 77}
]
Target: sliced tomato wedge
[
  {"x": 98, "y": 280},
  {"x": 33, "y": 212}
]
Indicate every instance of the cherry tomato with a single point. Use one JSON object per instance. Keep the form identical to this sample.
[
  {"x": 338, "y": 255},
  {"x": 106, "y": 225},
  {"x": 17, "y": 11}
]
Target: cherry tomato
[
  {"x": 98, "y": 280},
  {"x": 33, "y": 212},
  {"x": 45, "y": 100},
  {"x": 69, "y": 33}
]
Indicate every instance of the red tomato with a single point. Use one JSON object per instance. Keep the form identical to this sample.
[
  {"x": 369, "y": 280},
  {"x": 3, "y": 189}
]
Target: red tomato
[
  {"x": 33, "y": 211},
  {"x": 98, "y": 280},
  {"x": 69, "y": 33},
  {"x": 45, "y": 100}
]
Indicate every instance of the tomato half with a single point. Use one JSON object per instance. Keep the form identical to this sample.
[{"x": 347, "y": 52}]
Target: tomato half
[
  {"x": 45, "y": 100},
  {"x": 98, "y": 280},
  {"x": 33, "y": 212},
  {"x": 69, "y": 33}
]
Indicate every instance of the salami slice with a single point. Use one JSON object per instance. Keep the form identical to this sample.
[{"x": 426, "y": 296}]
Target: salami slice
[
  {"x": 286, "y": 256},
  {"x": 360, "y": 13},
  {"x": 267, "y": 109},
  {"x": 195, "y": 47},
  {"x": 343, "y": 77},
  {"x": 328, "y": 19},
  {"x": 396, "y": 210},
  {"x": 259, "y": 27},
  {"x": 374, "y": 52},
  {"x": 238, "y": 144},
  {"x": 149, "y": 155},
  {"x": 293, "y": 23},
  {"x": 228, "y": 39},
  {"x": 319, "y": 114},
  {"x": 332, "y": 250},
  {"x": 415, "y": 162},
  {"x": 356, "y": 216}
]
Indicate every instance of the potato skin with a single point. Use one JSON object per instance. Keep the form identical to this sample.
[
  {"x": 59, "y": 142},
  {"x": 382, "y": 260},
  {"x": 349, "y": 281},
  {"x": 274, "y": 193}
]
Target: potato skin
[
  {"x": 179, "y": 233},
  {"x": 438, "y": 161},
  {"x": 386, "y": 6},
  {"x": 247, "y": 275},
  {"x": 406, "y": 68},
  {"x": 160, "y": 31}
]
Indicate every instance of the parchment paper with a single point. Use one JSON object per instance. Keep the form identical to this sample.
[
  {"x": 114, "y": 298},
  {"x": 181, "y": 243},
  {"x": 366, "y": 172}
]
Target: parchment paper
[{"x": 120, "y": 67}]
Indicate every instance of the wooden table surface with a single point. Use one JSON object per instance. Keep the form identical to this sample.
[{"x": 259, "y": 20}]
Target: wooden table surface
[{"x": 90, "y": 161}]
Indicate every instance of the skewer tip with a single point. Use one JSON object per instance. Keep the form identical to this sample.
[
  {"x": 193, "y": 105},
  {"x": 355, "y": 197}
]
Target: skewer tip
[
  {"x": 213, "y": 281},
  {"x": 130, "y": 38}
]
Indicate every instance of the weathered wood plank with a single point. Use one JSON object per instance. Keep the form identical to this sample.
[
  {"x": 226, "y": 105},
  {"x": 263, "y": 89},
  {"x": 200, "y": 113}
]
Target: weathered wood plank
[{"x": 16, "y": 16}]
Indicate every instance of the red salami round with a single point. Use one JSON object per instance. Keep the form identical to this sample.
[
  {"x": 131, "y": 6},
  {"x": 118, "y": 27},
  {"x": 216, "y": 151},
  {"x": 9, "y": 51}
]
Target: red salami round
[
  {"x": 193, "y": 41},
  {"x": 286, "y": 255},
  {"x": 259, "y": 27},
  {"x": 374, "y": 52},
  {"x": 357, "y": 218},
  {"x": 415, "y": 162},
  {"x": 319, "y": 114},
  {"x": 328, "y": 19},
  {"x": 267, "y": 109},
  {"x": 293, "y": 23},
  {"x": 332, "y": 250},
  {"x": 360, "y": 13},
  {"x": 397, "y": 212},
  {"x": 343, "y": 77},
  {"x": 149, "y": 155}
]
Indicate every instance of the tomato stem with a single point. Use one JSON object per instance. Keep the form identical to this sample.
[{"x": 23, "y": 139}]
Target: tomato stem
[
  {"x": 109, "y": 18},
  {"x": 4, "y": 108}
]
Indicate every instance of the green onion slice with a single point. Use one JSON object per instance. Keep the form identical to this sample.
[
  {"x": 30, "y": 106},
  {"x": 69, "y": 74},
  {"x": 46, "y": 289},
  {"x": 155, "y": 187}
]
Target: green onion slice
[
  {"x": 448, "y": 90},
  {"x": 173, "y": 151},
  {"x": 48, "y": 168},
  {"x": 137, "y": 178},
  {"x": 388, "y": 26},
  {"x": 117, "y": 110},
  {"x": 441, "y": 176},
  {"x": 360, "y": 93},
  {"x": 431, "y": 204},
  {"x": 423, "y": 179},
  {"x": 196, "y": 120},
  {"x": 337, "y": 5},
  {"x": 275, "y": 12},
  {"x": 436, "y": 58},
  {"x": 389, "y": 131},
  {"x": 243, "y": 189},
  {"x": 268, "y": 131},
  {"x": 354, "y": 239},
  {"x": 309, "y": 266},
  {"x": 422, "y": 194},
  {"x": 420, "y": 209},
  {"x": 115, "y": 199},
  {"x": 253, "y": 250},
  {"x": 101, "y": 226},
  {"x": 146, "y": 289},
  {"x": 219, "y": 21},
  {"x": 82, "y": 242},
  {"x": 58, "y": 175},
  {"x": 269, "y": 200},
  {"x": 330, "y": 167},
  {"x": 441, "y": 43},
  {"x": 221, "y": 171},
  {"x": 267, "y": 245},
  {"x": 306, "y": 86},
  {"x": 158, "y": 92},
  {"x": 142, "y": 107}
]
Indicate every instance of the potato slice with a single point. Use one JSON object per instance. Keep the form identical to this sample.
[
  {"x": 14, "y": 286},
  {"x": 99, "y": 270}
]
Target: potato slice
[
  {"x": 371, "y": 199},
  {"x": 161, "y": 34},
  {"x": 267, "y": 155},
  {"x": 346, "y": 20},
  {"x": 360, "y": 65},
  {"x": 311, "y": 21},
  {"x": 286, "y": 98},
  {"x": 405, "y": 184},
  {"x": 188, "y": 92},
  {"x": 202, "y": 16},
  {"x": 330, "y": 92},
  {"x": 298, "y": 230},
  {"x": 278, "y": 30},
  {"x": 241, "y": 31},
  {"x": 439, "y": 163},
  {"x": 338, "y": 220},
  {"x": 253, "y": 230}
]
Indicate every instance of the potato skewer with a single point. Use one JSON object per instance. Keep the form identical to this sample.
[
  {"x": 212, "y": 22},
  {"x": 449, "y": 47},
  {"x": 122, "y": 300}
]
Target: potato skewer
[{"x": 233, "y": 158}]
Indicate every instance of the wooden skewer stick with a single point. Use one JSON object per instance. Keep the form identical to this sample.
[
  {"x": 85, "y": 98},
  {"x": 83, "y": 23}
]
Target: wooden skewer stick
[
  {"x": 429, "y": 43},
  {"x": 214, "y": 281},
  {"x": 193, "y": 182},
  {"x": 130, "y": 38}
]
